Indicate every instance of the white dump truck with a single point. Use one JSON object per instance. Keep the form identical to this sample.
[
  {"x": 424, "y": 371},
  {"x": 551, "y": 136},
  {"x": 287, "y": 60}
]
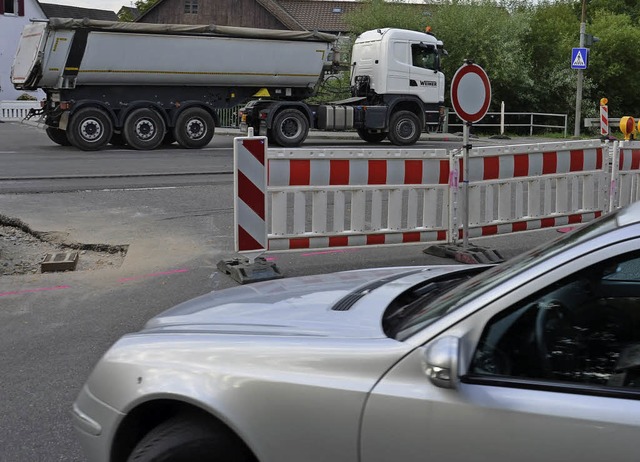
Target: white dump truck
[{"x": 145, "y": 85}]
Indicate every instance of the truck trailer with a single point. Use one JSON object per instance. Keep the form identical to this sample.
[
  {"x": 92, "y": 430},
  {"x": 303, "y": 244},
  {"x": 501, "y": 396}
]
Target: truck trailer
[{"x": 145, "y": 85}]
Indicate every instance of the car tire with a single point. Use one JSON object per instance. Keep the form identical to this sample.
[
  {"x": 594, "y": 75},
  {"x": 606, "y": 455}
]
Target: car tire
[
  {"x": 404, "y": 128},
  {"x": 189, "y": 439},
  {"x": 290, "y": 128},
  {"x": 194, "y": 128},
  {"x": 371, "y": 137},
  {"x": 58, "y": 136},
  {"x": 144, "y": 129},
  {"x": 89, "y": 129}
]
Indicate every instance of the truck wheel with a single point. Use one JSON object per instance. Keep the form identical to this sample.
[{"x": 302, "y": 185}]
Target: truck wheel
[
  {"x": 371, "y": 136},
  {"x": 89, "y": 129},
  {"x": 290, "y": 128},
  {"x": 189, "y": 439},
  {"x": 404, "y": 128},
  {"x": 58, "y": 136},
  {"x": 194, "y": 128},
  {"x": 143, "y": 129}
]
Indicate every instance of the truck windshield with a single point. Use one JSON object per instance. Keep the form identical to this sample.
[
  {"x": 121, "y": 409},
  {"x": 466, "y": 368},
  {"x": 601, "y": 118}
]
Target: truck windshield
[{"x": 424, "y": 56}]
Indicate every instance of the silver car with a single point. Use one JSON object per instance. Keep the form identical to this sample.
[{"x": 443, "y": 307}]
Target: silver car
[{"x": 537, "y": 359}]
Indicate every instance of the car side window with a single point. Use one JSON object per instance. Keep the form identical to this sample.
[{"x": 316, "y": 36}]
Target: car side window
[{"x": 584, "y": 329}]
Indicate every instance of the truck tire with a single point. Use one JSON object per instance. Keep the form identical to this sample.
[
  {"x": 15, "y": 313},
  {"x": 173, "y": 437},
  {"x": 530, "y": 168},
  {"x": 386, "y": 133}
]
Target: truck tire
[
  {"x": 290, "y": 128},
  {"x": 143, "y": 129},
  {"x": 89, "y": 129},
  {"x": 370, "y": 136},
  {"x": 58, "y": 136},
  {"x": 189, "y": 439},
  {"x": 404, "y": 128},
  {"x": 194, "y": 128}
]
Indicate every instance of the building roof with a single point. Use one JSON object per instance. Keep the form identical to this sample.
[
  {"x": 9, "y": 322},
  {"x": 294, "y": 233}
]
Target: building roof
[
  {"x": 132, "y": 11},
  {"x": 273, "y": 7},
  {"x": 51, "y": 10},
  {"x": 319, "y": 14}
]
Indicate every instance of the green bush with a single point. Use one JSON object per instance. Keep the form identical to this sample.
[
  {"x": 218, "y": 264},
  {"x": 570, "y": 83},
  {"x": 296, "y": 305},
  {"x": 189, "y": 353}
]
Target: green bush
[{"x": 26, "y": 97}]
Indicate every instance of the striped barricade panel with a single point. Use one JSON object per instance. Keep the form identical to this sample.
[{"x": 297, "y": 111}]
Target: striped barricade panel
[
  {"x": 524, "y": 187},
  {"x": 342, "y": 197},
  {"x": 627, "y": 180},
  {"x": 250, "y": 193}
]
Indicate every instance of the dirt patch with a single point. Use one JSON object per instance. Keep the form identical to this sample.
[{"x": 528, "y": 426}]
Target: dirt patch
[{"x": 23, "y": 249}]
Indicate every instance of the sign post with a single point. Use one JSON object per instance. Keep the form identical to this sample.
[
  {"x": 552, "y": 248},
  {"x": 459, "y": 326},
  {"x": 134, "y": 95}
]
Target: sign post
[{"x": 470, "y": 97}]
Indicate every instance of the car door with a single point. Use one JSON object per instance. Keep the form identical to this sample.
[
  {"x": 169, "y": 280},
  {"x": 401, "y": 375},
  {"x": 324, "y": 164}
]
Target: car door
[{"x": 549, "y": 370}]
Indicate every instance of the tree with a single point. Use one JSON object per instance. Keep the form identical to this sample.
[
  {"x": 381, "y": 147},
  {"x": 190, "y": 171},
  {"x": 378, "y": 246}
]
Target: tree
[
  {"x": 613, "y": 62},
  {"x": 375, "y": 14},
  {"x": 142, "y": 6},
  {"x": 490, "y": 34}
]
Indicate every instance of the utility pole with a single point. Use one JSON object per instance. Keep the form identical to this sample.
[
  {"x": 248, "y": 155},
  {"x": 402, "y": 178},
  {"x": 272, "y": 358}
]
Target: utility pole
[{"x": 583, "y": 28}]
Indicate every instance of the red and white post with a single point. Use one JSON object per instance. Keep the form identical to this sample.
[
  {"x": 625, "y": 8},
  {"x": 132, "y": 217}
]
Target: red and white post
[
  {"x": 604, "y": 117},
  {"x": 250, "y": 195}
]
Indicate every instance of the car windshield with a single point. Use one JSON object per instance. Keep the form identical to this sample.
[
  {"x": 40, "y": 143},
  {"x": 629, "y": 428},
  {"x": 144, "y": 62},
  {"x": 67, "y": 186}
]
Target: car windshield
[{"x": 458, "y": 294}]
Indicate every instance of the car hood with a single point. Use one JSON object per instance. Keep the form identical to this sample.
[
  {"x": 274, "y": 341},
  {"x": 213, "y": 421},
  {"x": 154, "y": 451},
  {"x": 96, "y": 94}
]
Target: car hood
[{"x": 301, "y": 306}]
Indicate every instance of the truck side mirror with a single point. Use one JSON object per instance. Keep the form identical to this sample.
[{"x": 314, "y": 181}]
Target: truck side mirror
[{"x": 441, "y": 362}]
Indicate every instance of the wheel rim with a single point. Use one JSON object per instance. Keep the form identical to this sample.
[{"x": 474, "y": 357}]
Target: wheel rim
[
  {"x": 145, "y": 129},
  {"x": 196, "y": 129},
  {"x": 406, "y": 129},
  {"x": 91, "y": 129},
  {"x": 290, "y": 127}
]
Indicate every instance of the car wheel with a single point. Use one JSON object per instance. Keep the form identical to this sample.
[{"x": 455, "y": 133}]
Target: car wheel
[
  {"x": 181, "y": 439},
  {"x": 290, "y": 128},
  {"x": 89, "y": 129},
  {"x": 404, "y": 128},
  {"x": 144, "y": 129},
  {"x": 194, "y": 128},
  {"x": 370, "y": 136},
  {"x": 58, "y": 136}
]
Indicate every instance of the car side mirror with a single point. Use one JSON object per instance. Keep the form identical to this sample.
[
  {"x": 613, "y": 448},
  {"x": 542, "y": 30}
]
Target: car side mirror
[{"x": 441, "y": 362}]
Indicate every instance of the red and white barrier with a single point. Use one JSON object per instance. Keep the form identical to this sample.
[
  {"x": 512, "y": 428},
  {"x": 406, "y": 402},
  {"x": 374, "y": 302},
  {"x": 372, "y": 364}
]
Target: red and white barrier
[
  {"x": 250, "y": 194},
  {"x": 523, "y": 187},
  {"x": 625, "y": 183},
  {"x": 343, "y": 197},
  {"x": 355, "y": 197}
]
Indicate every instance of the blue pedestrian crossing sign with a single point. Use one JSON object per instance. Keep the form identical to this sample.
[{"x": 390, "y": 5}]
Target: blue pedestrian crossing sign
[{"x": 579, "y": 58}]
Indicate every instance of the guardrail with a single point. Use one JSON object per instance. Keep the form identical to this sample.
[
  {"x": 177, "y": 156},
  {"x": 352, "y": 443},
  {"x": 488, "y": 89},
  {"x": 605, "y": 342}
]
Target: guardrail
[
  {"x": 516, "y": 122},
  {"x": 16, "y": 110}
]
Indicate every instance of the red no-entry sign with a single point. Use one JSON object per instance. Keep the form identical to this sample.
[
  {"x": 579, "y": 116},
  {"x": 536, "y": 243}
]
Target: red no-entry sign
[{"x": 470, "y": 92}]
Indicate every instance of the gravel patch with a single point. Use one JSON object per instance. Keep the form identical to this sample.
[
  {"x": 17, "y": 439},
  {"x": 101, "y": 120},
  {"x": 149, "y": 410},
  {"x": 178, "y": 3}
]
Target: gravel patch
[{"x": 22, "y": 250}]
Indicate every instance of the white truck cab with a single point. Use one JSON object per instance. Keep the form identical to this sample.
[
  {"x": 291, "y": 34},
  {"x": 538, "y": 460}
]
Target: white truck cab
[{"x": 397, "y": 61}]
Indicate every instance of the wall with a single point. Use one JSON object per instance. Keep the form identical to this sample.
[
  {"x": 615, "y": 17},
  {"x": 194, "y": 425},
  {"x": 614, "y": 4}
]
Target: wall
[{"x": 10, "y": 28}]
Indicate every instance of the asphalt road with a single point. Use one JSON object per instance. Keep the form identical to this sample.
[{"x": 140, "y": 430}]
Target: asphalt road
[{"x": 54, "y": 327}]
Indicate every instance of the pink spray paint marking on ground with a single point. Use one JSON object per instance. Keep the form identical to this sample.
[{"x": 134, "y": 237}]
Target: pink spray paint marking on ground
[
  {"x": 325, "y": 252},
  {"x": 153, "y": 275},
  {"x": 31, "y": 291}
]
